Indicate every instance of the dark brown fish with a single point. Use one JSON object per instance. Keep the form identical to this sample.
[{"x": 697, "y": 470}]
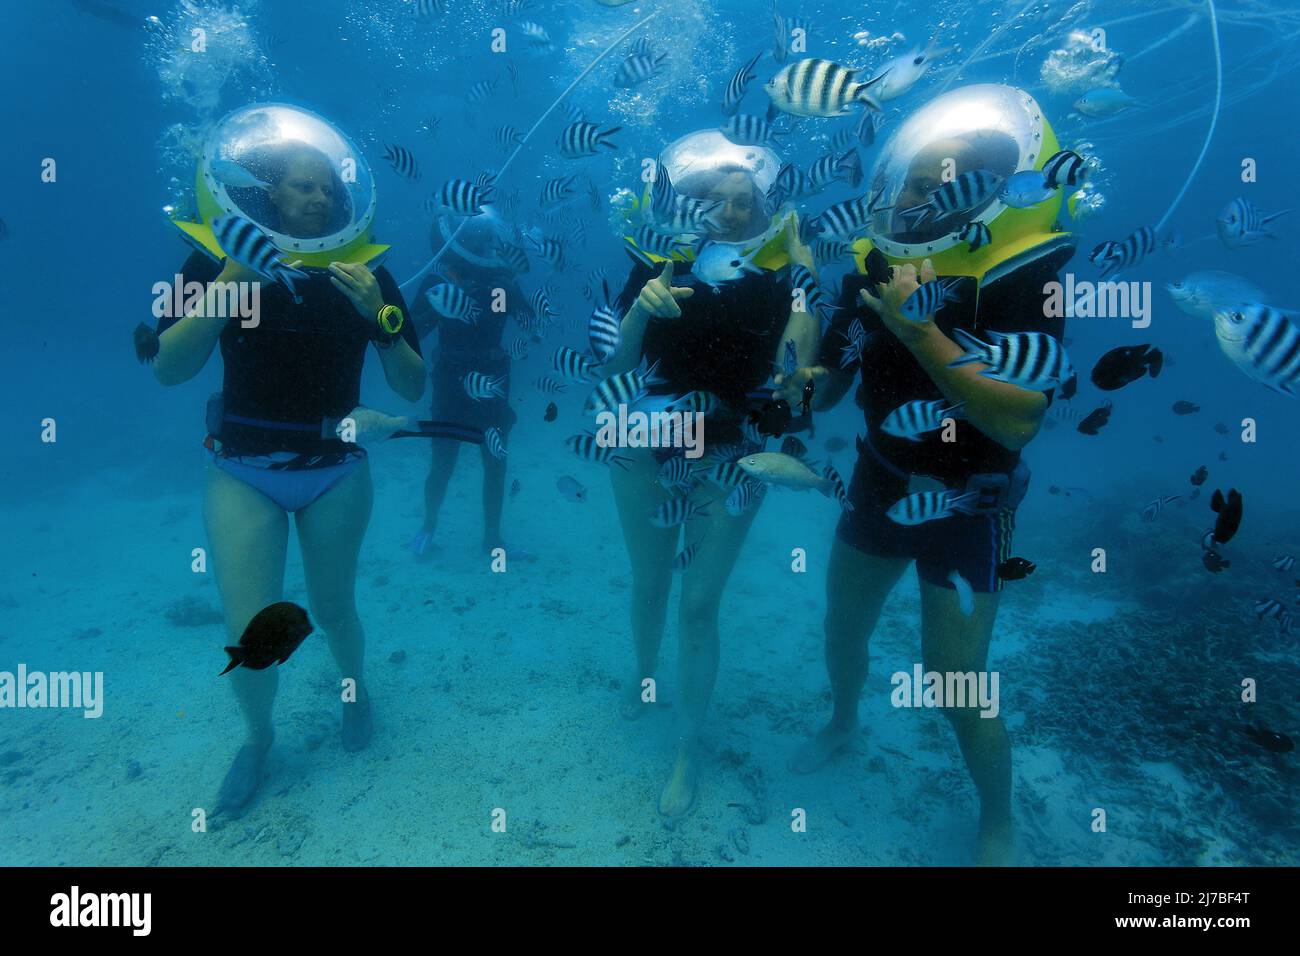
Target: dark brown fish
[
  {"x": 272, "y": 635},
  {"x": 1125, "y": 365},
  {"x": 1229, "y": 510},
  {"x": 836, "y": 444},
  {"x": 146, "y": 343},
  {"x": 1185, "y": 408}
]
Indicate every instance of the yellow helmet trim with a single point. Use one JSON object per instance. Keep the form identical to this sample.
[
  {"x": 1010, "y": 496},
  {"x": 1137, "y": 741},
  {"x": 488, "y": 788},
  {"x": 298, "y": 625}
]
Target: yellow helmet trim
[{"x": 199, "y": 234}]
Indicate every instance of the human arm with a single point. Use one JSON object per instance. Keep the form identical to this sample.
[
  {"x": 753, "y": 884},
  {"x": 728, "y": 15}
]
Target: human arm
[
  {"x": 1008, "y": 414},
  {"x": 403, "y": 365}
]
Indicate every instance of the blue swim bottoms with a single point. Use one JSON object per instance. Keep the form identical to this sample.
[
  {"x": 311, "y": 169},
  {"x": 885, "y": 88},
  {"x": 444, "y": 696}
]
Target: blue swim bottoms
[
  {"x": 972, "y": 545},
  {"x": 291, "y": 488}
]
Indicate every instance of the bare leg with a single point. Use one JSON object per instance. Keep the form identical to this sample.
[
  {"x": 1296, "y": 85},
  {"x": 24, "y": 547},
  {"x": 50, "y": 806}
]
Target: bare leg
[
  {"x": 720, "y": 536},
  {"x": 857, "y": 585},
  {"x": 637, "y": 493},
  {"x": 950, "y": 643},
  {"x": 494, "y": 493},
  {"x": 442, "y": 464},
  {"x": 330, "y": 530},
  {"x": 248, "y": 535}
]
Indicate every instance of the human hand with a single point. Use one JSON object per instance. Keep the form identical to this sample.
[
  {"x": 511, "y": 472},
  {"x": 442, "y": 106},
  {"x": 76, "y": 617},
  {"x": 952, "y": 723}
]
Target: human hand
[
  {"x": 904, "y": 280},
  {"x": 361, "y": 287},
  {"x": 659, "y": 297}
]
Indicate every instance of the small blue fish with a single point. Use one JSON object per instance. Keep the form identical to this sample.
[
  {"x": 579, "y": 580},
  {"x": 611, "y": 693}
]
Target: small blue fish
[
  {"x": 230, "y": 173},
  {"x": 1026, "y": 188}
]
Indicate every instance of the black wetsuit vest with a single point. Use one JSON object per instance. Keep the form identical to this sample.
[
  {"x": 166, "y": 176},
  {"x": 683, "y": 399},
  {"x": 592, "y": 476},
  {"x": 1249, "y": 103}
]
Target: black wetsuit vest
[
  {"x": 891, "y": 376},
  {"x": 724, "y": 342},
  {"x": 299, "y": 366}
]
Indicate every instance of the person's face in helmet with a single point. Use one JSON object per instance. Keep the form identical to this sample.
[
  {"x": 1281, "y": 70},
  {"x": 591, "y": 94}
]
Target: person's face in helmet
[
  {"x": 304, "y": 196},
  {"x": 933, "y": 166},
  {"x": 736, "y": 216}
]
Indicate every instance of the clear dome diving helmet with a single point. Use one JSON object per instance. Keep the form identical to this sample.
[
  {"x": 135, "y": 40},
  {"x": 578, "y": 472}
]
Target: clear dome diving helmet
[
  {"x": 984, "y": 126},
  {"x": 479, "y": 241},
  {"x": 708, "y": 167},
  {"x": 292, "y": 173}
]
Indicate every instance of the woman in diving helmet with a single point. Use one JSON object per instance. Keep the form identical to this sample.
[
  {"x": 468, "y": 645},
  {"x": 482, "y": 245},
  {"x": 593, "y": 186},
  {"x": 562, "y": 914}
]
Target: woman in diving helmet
[
  {"x": 712, "y": 336},
  {"x": 291, "y": 376}
]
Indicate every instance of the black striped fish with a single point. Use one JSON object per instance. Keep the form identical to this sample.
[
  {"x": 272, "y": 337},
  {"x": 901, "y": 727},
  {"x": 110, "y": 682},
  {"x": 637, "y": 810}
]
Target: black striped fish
[
  {"x": 726, "y": 474},
  {"x": 1275, "y": 610},
  {"x": 819, "y": 88},
  {"x": 929, "y": 298},
  {"x": 556, "y": 192},
  {"x": 857, "y": 338},
  {"x": 1263, "y": 343},
  {"x": 540, "y": 302},
  {"x": 402, "y": 161},
  {"x": 452, "y": 302},
  {"x": 584, "y": 139},
  {"x": 497, "y": 447},
  {"x": 975, "y": 234},
  {"x": 573, "y": 364},
  {"x": 705, "y": 403},
  {"x": 749, "y": 130},
  {"x": 837, "y": 486},
  {"x": 845, "y": 220},
  {"x": 550, "y": 250},
  {"x": 424, "y": 9},
  {"x": 847, "y": 167},
  {"x": 914, "y": 419},
  {"x": 814, "y": 299},
  {"x": 972, "y": 188},
  {"x": 641, "y": 46},
  {"x": 926, "y": 506},
  {"x": 1153, "y": 508},
  {"x": 479, "y": 386},
  {"x": 686, "y": 556},
  {"x": 549, "y": 386},
  {"x": 465, "y": 198},
  {"x": 1066, "y": 168},
  {"x": 651, "y": 240},
  {"x": 507, "y": 137},
  {"x": 513, "y": 69},
  {"x": 625, "y": 388},
  {"x": 518, "y": 349},
  {"x": 829, "y": 249},
  {"x": 482, "y": 91},
  {"x": 744, "y": 496},
  {"x": 588, "y": 449},
  {"x": 736, "y": 86},
  {"x": 603, "y": 329},
  {"x": 1284, "y": 563},
  {"x": 691, "y": 215},
  {"x": 1032, "y": 360},
  {"x": 677, "y": 511},
  {"x": 1241, "y": 223},
  {"x": 791, "y": 183},
  {"x": 246, "y": 243},
  {"x": 638, "y": 68},
  {"x": 536, "y": 33},
  {"x": 1112, "y": 257},
  {"x": 513, "y": 257},
  {"x": 677, "y": 474},
  {"x": 595, "y": 280}
]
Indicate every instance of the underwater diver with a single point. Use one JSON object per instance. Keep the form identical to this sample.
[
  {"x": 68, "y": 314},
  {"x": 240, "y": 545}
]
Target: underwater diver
[
  {"x": 291, "y": 373},
  {"x": 472, "y": 343},
  {"x": 709, "y": 332},
  {"x": 902, "y": 360}
]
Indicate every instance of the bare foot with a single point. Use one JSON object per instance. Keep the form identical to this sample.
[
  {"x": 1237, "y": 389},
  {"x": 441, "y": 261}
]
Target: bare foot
[
  {"x": 813, "y": 753},
  {"x": 678, "y": 797},
  {"x": 243, "y": 779},
  {"x": 630, "y": 704},
  {"x": 995, "y": 846},
  {"x": 357, "y": 724}
]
